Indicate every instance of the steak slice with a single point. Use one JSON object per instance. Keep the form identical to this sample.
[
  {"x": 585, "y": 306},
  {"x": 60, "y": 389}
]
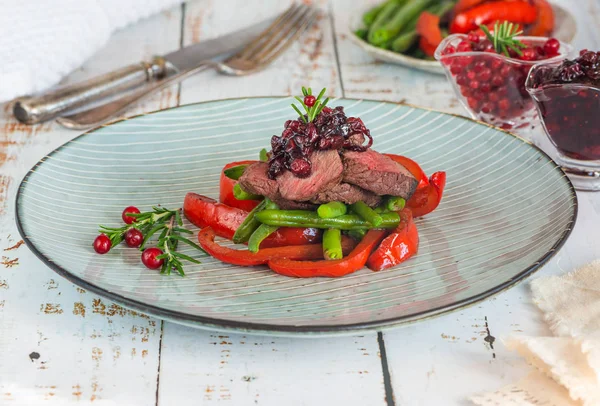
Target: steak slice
[
  {"x": 326, "y": 172},
  {"x": 256, "y": 181},
  {"x": 378, "y": 173},
  {"x": 347, "y": 193}
]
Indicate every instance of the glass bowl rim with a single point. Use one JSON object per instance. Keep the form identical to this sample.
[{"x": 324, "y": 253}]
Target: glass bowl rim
[
  {"x": 537, "y": 90},
  {"x": 568, "y": 48}
]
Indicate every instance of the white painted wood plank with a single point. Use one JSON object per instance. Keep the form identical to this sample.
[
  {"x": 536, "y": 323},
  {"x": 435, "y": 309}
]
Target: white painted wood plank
[
  {"x": 59, "y": 344},
  {"x": 202, "y": 368},
  {"x": 199, "y": 367}
]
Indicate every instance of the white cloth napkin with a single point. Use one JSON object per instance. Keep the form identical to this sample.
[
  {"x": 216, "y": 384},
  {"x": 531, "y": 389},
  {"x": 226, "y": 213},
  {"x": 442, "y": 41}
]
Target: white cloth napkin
[
  {"x": 41, "y": 41},
  {"x": 567, "y": 366}
]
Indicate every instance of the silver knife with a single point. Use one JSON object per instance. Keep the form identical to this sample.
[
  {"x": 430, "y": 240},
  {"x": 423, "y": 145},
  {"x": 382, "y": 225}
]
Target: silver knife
[{"x": 35, "y": 109}]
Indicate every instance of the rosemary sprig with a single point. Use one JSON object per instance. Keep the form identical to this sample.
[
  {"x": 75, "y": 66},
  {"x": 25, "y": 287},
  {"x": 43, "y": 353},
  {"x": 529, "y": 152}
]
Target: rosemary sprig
[
  {"x": 503, "y": 37},
  {"x": 170, "y": 226},
  {"x": 311, "y": 112}
]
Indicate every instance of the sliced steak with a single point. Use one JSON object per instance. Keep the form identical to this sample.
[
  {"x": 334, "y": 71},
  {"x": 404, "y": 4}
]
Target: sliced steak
[
  {"x": 256, "y": 181},
  {"x": 326, "y": 172},
  {"x": 347, "y": 193},
  {"x": 378, "y": 173}
]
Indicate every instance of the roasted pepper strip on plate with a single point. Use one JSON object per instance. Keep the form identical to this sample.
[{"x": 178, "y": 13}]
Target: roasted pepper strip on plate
[
  {"x": 518, "y": 12},
  {"x": 203, "y": 212},
  {"x": 206, "y": 238},
  {"x": 427, "y": 199},
  {"x": 328, "y": 268},
  {"x": 397, "y": 247},
  {"x": 226, "y": 186}
]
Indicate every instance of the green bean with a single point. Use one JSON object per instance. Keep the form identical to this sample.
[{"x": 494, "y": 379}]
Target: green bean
[
  {"x": 367, "y": 213},
  {"x": 235, "y": 172},
  {"x": 408, "y": 36},
  {"x": 249, "y": 225},
  {"x": 263, "y": 155},
  {"x": 304, "y": 218},
  {"x": 332, "y": 244},
  {"x": 357, "y": 234},
  {"x": 369, "y": 17},
  {"x": 241, "y": 194},
  {"x": 405, "y": 41},
  {"x": 362, "y": 33},
  {"x": 332, "y": 209},
  {"x": 387, "y": 11},
  {"x": 395, "y": 203},
  {"x": 398, "y": 22},
  {"x": 263, "y": 231}
]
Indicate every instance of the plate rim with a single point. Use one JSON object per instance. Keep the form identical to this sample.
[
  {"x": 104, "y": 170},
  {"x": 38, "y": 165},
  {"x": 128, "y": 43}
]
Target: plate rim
[{"x": 295, "y": 330}]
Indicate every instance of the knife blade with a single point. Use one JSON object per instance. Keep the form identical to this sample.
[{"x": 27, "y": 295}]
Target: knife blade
[{"x": 83, "y": 95}]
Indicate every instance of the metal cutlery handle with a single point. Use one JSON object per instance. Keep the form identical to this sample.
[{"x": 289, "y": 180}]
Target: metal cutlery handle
[
  {"x": 109, "y": 111},
  {"x": 35, "y": 109}
]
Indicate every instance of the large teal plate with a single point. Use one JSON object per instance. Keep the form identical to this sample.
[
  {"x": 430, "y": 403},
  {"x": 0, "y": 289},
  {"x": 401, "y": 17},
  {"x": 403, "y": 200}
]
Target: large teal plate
[{"x": 506, "y": 210}]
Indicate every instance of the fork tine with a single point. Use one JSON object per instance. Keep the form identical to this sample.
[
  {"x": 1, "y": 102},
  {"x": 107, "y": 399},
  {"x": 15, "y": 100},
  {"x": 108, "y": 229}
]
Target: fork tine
[
  {"x": 267, "y": 55},
  {"x": 277, "y": 35},
  {"x": 267, "y": 34}
]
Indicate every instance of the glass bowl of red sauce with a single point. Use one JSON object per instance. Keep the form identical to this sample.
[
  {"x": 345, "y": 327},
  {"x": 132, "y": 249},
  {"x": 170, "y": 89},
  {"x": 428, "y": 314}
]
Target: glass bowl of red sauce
[
  {"x": 567, "y": 97},
  {"x": 491, "y": 85}
]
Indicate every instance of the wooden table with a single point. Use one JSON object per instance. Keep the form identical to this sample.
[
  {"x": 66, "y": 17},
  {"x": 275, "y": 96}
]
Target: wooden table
[{"x": 61, "y": 344}]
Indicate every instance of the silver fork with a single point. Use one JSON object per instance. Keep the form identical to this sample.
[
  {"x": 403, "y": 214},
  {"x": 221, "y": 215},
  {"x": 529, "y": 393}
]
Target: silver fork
[{"x": 255, "y": 57}]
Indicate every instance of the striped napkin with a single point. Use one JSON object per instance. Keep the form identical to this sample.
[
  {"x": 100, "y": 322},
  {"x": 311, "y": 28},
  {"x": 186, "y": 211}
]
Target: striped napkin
[
  {"x": 42, "y": 41},
  {"x": 567, "y": 366}
]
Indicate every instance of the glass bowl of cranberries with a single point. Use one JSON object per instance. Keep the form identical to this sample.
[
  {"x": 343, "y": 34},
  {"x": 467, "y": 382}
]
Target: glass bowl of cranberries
[
  {"x": 489, "y": 80},
  {"x": 567, "y": 97}
]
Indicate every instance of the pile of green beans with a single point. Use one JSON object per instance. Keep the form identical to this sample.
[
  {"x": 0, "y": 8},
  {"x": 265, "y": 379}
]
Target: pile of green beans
[{"x": 393, "y": 24}]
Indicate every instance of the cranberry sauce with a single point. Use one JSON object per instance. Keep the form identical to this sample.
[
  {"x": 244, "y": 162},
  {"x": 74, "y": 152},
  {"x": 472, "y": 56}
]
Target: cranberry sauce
[
  {"x": 492, "y": 85},
  {"x": 568, "y": 99},
  {"x": 331, "y": 129}
]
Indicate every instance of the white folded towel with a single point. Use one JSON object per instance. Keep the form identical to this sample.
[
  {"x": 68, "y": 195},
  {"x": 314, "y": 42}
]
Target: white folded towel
[
  {"x": 567, "y": 366},
  {"x": 41, "y": 41}
]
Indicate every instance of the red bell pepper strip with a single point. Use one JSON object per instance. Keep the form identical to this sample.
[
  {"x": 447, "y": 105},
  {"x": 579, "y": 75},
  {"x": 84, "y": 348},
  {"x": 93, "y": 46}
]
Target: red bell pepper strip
[
  {"x": 519, "y": 12},
  {"x": 413, "y": 168},
  {"x": 544, "y": 25},
  {"x": 428, "y": 27},
  {"x": 427, "y": 199},
  {"x": 226, "y": 185},
  {"x": 397, "y": 247},
  {"x": 206, "y": 238},
  {"x": 203, "y": 212},
  {"x": 353, "y": 262},
  {"x": 463, "y": 5}
]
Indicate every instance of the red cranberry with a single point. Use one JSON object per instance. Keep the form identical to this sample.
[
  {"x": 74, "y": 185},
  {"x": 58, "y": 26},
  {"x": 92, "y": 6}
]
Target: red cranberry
[
  {"x": 551, "y": 47},
  {"x": 300, "y": 167},
  {"x": 473, "y": 103},
  {"x": 471, "y": 74},
  {"x": 102, "y": 244},
  {"x": 462, "y": 80},
  {"x": 497, "y": 81},
  {"x": 504, "y": 104},
  {"x": 134, "y": 238},
  {"x": 456, "y": 69},
  {"x": 583, "y": 51},
  {"x": 528, "y": 54},
  {"x": 149, "y": 258},
  {"x": 474, "y": 84},
  {"x": 479, "y": 66},
  {"x": 310, "y": 100},
  {"x": 496, "y": 64},
  {"x": 502, "y": 91},
  {"x": 493, "y": 97},
  {"x": 486, "y": 108},
  {"x": 485, "y": 87},
  {"x": 464, "y": 46},
  {"x": 128, "y": 219},
  {"x": 473, "y": 37},
  {"x": 449, "y": 50},
  {"x": 487, "y": 46},
  {"x": 505, "y": 70},
  {"x": 485, "y": 75}
]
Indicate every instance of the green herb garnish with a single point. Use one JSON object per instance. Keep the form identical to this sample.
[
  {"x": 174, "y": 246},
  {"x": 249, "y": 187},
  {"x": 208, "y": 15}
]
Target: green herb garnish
[
  {"x": 169, "y": 225},
  {"x": 503, "y": 37},
  {"x": 311, "y": 104}
]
